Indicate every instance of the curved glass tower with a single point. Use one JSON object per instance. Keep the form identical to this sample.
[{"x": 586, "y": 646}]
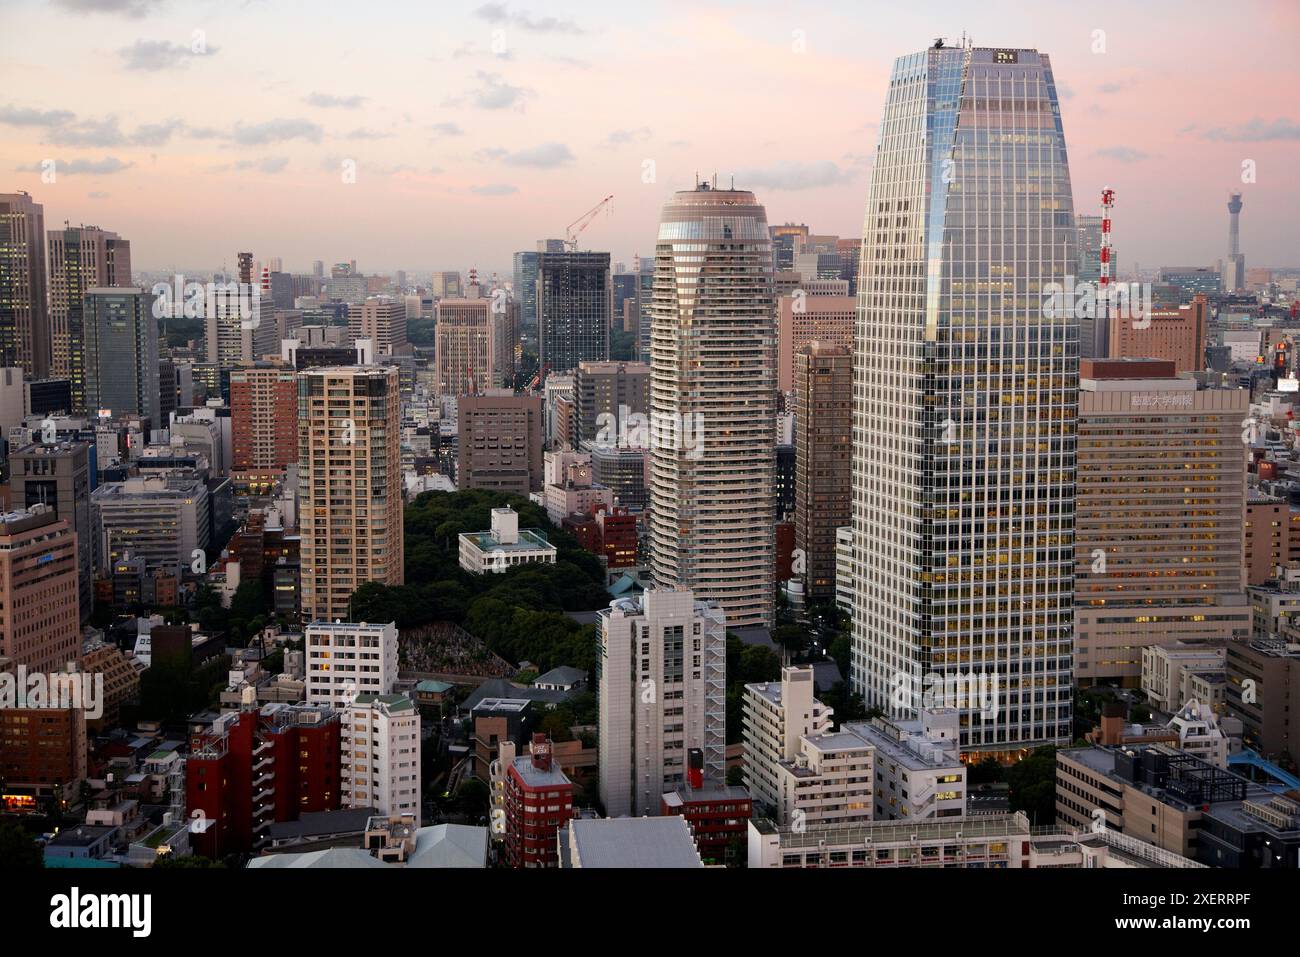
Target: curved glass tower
[
  {"x": 713, "y": 403},
  {"x": 965, "y": 403}
]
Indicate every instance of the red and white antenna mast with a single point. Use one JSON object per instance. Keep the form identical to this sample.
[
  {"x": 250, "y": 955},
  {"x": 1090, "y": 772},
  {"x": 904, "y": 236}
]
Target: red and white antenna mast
[{"x": 1107, "y": 204}]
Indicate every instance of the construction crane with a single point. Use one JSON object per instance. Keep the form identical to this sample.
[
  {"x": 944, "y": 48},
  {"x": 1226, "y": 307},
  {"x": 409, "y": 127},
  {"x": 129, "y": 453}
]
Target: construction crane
[{"x": 582, "y": 222}]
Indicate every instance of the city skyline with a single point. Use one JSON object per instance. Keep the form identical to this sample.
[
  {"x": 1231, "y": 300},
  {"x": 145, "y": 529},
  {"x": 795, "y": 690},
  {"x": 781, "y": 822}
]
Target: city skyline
[{"x": 486, "y": 94}]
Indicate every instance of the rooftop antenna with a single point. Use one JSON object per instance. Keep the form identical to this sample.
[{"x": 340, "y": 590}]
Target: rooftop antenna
[{"x": 733, "y": 181}]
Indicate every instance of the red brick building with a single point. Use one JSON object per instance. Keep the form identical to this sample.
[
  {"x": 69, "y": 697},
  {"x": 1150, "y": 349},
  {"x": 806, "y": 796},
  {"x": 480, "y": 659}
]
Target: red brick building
[
  {"x": 263, "y": 416},
  {"x": 258, "y": 767},
  {"x": 618, "y": 536},
  {"x": 716, "y": 815},
  {"x": 539, "y": 801}
]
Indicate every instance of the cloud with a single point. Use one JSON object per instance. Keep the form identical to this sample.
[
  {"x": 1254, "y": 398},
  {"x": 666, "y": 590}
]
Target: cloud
[
  {"x": 794, "y": 176},
  {"x": 472, "y": 49},
  {"x": 97, "y": 194},
  {"x": 624, "y": 137},
  {"x": 154, "y": 55},
  {"x": 499, "y": 13},
  {"x": 26, "y": 116},
  {"x": 156, "y": 134},
  {"x": 1122, "y": 154},
  {"x": 545, "y": 156},
  {"x": 129, "y": 8},
  {"x": 447, "y": 129},
  {"x": 102, "y": 167},
  {"x": 330, "y": 102},
  {"x": 1256, "y": 130},
  {"x": 494, "y": 189},
  {"x": 276, "y": 131},
  {"x": 361, "y": 133},
  {"x": 1115, "y": 86},
  {"x": 88, "y": 133},
  {"x": 495, "y": 93}
]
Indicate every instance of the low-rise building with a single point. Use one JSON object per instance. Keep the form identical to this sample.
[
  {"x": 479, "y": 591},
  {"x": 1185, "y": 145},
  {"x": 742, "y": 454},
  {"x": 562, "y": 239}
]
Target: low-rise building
[{"x": 504, "y": 545}]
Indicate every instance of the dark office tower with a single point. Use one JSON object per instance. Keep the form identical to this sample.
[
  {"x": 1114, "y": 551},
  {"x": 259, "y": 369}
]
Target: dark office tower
[
  {"x": 823, "y": 410},
  {"x": 574, "y": 300},
  {"x": 787, "y": 242},
  {"x": 167, "y": 389},
  {"x": 966, "y": 403},
  {"x": 122, "y": 353},
  {"x": 712, "y": 403},
  {"x": 47, "y": 396},
  {"x": 24, "y": 304},
  {"x": 850, "y": 252},
  {"x": 785, "y": 481},
  {"x": 80, "y": 258},
  {"x": 318, "y": 269},
  {"x": 246, "y": 268},
  {"x": 58, "y": 476}
]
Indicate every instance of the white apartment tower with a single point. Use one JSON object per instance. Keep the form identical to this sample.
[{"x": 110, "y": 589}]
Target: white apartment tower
[
  {"x": 344, "y": 660},
  {"x": 966, "y": 397},
  {"x": 776, "y": 715},
  {"x": 380, "y": 744},
  {"x": 662, "y": 674},
  {"x": 712, "y": 403}
]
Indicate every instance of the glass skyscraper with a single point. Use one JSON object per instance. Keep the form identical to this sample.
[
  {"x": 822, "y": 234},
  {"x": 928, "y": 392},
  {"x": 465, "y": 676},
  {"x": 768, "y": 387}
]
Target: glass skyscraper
[
  {"x": 575, "y": 296},
  {"x": 965, "y": 403}
]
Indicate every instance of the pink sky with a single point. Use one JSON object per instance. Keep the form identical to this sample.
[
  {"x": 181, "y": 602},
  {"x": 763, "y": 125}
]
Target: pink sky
[{"x": 478, "y": 128}]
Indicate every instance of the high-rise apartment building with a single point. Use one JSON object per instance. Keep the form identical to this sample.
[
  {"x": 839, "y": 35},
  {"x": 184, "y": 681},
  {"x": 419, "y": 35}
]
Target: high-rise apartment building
[
  {"x": 345, "y": 659},
  {"x": 575, "y": 298},
  {"x": 381, "y": 320},
  {"x": 662, "y": 674},
  {"x": 349, "y": 484},
  {"x": 712, "y": 403},
  {"x": 1160, "y": 516},
  {"x": 966, "y": 399},
  {"x": 823, "y": 407},
  {"x": 380, "y": 741},
  {"x": 264, "y": 435},
  {"x": 39, "y": 615},
  {"x": 803, "y": 317},
  {"x": 58, "y": 477},
  {"x": 24, "y": 290},
  {"x": 121, "y": 353},
  {"x": 80, "y": 258},
  {"x": 617, "y": 390},
  {"x": 499, "y": 442}
]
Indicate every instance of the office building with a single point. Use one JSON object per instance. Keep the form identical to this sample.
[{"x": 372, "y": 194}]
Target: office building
[
  {"x": 345, "y": 659},
  {"x": 804, "y": 317},
  {"x": 349, "y": 484},
  {"x": 1175, "y": 333},
  {"x": 575, "y": 299},
  {"x": 823, "y": 408},
  {"x": 382, "y": 321},
  {"x": 24, "y": 288},
  {"x": 58, "y": 477},
  {"x": 623, "y": 472},
  {"x": 1263, "y": 688},
  {"x": 965, "y": 400},
  {"x": 39, "y": 615},
  {"x": 608, "y": 394},
  {"x": 465, "y": 347},
  {"x": 121, "y": 353},
  {"x": 712, "y": 404},
  {"x": 163, "y": 519},
  {"x": 1093, "y": 331},
  {"x": 662, "y": 673},
  {"x": 81, "y": 258},
  {"x": 1159, "y": 516},
  {"x": 499, "y": 442}
]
